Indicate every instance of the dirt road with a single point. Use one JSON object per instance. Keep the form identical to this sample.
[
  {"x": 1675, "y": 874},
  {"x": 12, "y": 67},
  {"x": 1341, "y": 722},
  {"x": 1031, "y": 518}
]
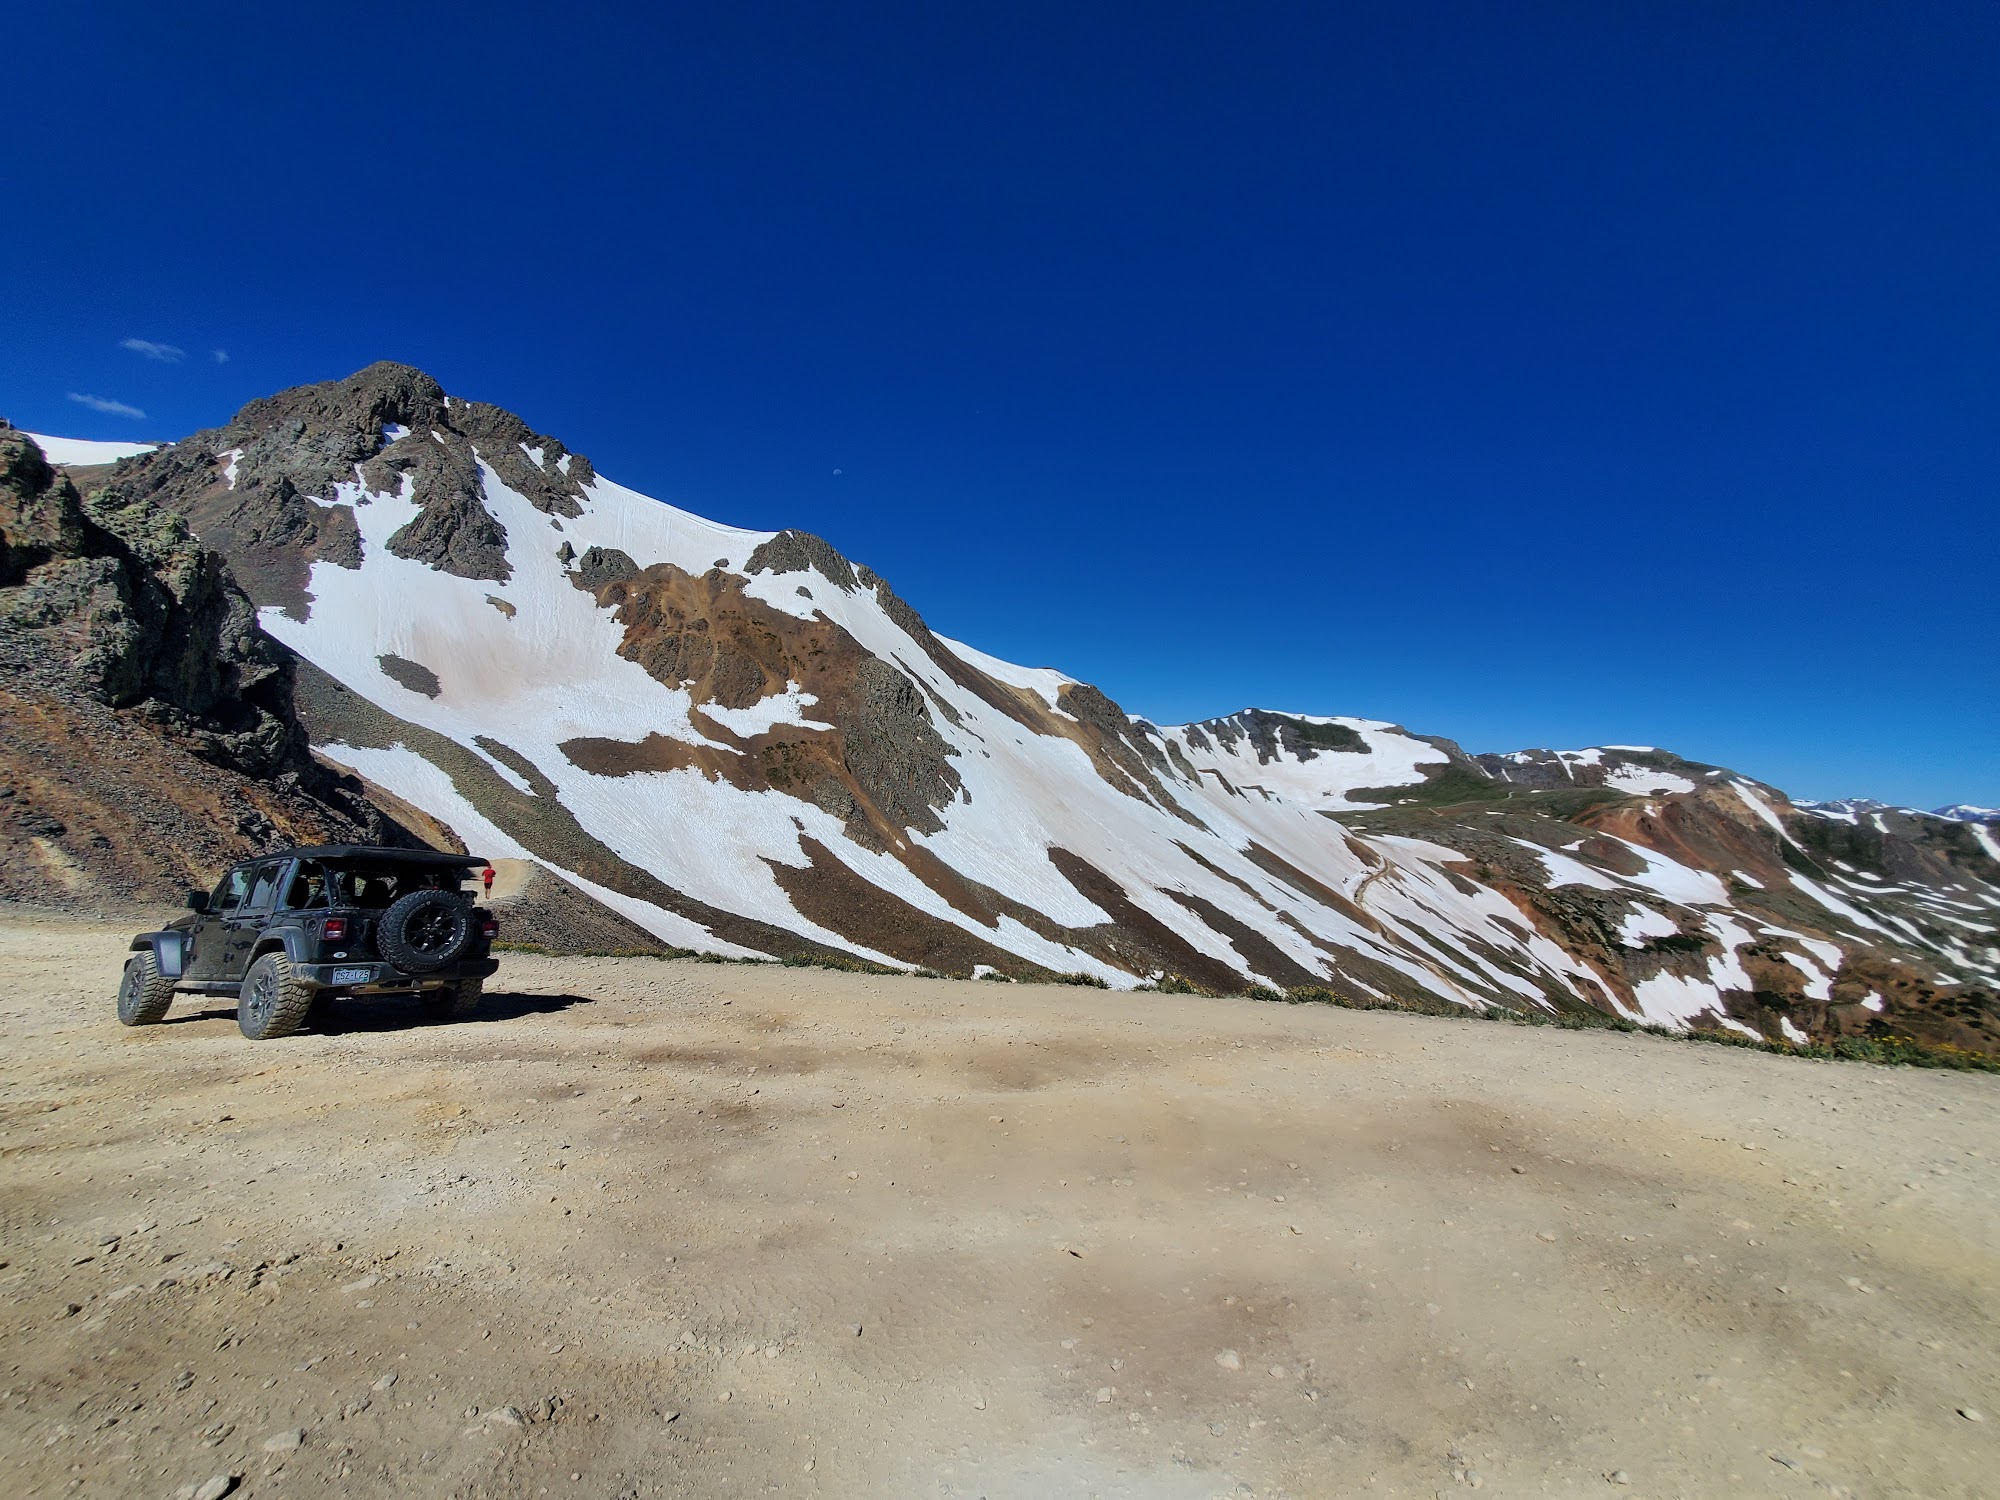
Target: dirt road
[{"x": 667, "y": 1228}]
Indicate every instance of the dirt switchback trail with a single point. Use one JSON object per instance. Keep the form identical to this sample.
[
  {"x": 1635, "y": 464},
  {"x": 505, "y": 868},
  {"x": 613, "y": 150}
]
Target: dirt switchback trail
[{"x": 668, "y": 1228}]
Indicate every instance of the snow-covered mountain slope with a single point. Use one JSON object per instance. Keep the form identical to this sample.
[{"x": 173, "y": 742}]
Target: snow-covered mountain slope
[{"x": 746, "y": 744}]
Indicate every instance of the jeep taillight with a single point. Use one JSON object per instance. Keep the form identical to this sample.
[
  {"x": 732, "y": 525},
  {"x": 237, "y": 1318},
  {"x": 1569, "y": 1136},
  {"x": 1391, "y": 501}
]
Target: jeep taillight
[
  {"x": 336, "y": 929},
  {"x": 489, "y": 928}
]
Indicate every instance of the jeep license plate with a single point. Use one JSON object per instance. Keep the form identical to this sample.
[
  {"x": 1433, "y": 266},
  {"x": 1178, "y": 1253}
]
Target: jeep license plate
[{"x": 352, "y": 976}]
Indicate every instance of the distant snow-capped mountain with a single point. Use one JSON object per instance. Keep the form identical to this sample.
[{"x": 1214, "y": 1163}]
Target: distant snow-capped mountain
[
  {"x": 741, "y": 742},
  {"x": 1850, "y": 808},
  {"x": 1965, "y": 812}
]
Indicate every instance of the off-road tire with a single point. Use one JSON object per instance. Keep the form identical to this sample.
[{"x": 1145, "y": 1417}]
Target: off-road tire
[
  {"x": 144, "y": 993},
  {"x": 454, "y": 1002},
  {"x": 426, "y": 931},
  {"x": 272, "y": 1002}
]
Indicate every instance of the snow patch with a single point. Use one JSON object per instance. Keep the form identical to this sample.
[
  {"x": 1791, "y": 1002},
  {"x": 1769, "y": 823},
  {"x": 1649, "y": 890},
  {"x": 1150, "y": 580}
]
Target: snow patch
[
  {"x": 1643, "y": 922},
  {"x": 1675, "y": 999},
  {"x": 82, "y": 451},
  {"x": 766, "y": 714},
  {"x": 1642, "y": 781}
]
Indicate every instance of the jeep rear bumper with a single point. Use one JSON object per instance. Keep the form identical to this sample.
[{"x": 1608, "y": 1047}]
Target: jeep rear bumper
[{"x": 376, "y": 976}]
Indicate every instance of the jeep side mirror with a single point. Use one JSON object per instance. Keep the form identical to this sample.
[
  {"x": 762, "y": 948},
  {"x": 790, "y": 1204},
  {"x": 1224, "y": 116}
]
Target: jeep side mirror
[{"x": 197, "y": 901}]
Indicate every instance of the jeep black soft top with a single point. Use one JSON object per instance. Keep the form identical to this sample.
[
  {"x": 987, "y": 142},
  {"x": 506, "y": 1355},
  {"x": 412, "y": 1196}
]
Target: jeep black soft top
[{"x": 283, "y": 932}]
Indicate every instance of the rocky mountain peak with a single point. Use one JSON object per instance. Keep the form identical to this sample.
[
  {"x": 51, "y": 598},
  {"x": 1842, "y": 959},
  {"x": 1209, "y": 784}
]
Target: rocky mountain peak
[{"x": 276, "y": 487}]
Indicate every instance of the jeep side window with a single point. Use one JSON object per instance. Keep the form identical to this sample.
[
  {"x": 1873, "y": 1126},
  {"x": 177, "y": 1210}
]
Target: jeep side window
[
  {"x": 229, "y": 895},
  {"x": 308, "y": 888},
  {"x": 263, "y": 887}
]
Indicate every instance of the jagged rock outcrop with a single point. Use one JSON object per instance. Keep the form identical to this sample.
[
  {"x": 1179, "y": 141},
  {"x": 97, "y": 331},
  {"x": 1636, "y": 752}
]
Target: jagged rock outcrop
[
  {"x": 148, "y": 728},
  {"x": 113, "y": 597}
]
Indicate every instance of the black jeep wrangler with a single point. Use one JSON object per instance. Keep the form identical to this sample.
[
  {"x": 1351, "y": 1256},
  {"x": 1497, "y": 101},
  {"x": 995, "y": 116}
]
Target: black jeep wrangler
[{"x": 286, "y": 930}]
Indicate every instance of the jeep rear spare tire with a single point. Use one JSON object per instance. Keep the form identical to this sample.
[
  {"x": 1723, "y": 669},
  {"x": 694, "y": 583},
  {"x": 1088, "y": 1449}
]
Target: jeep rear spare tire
[{"x": 425, "y": 931}]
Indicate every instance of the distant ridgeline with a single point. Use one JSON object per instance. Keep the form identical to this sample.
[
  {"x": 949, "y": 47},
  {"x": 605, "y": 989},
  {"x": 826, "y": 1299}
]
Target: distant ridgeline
[{"x": 742, "y": 743}]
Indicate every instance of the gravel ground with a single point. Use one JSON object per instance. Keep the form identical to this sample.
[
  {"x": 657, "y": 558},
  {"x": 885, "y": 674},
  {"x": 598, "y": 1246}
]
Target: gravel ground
[{"x": 667, "y": 1228}]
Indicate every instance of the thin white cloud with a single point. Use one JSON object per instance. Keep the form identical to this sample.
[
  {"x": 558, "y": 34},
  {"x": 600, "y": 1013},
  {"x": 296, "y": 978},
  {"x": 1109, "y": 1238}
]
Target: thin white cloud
[
  {"x": 107, "y": 406},
  {"x": 222, "y": 356},
  {"x": 166, "y": 354}
]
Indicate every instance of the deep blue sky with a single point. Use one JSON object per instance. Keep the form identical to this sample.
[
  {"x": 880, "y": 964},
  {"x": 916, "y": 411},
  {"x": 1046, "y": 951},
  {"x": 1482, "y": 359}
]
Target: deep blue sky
[{"x": 1538, "y": 374}]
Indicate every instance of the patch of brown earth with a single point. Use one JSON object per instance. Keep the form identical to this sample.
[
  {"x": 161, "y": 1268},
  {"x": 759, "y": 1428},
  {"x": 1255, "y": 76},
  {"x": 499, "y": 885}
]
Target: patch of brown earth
[
  {"x": 415, "y": 676},
  {"x": 100, "y": 809},
  {"x": 882, "y": 766},
  {"x": 656, "y": 752}
]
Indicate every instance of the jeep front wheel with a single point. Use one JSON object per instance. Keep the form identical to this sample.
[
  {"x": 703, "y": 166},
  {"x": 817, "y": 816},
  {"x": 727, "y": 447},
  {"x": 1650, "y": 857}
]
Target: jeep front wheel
[
  {"x": 272, "y": 1002},
  {"x": 144, "y": 993}
]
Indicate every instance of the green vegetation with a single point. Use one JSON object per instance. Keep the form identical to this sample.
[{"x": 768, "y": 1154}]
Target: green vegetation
[
  {"x": 1456, "y": 787},
  {"x": 1339, "y": 737},
  {"x": 1174, "y": 984},
  {"x": 1451, "y": 786},
  {"x": 840, "y": 963}
]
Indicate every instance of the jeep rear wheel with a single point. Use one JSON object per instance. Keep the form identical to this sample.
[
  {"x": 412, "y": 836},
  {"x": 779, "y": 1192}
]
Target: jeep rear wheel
[
  {"x": 272, "y": 1002},
  {"x": 144, "y": 993},
  {"x": 454, "y": 1002}
]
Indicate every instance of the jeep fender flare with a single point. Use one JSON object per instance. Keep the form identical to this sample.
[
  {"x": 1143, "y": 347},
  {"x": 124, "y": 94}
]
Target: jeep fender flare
[
  {"x": 169, "y": 950},
  {"x": 290, "y": 941}
]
